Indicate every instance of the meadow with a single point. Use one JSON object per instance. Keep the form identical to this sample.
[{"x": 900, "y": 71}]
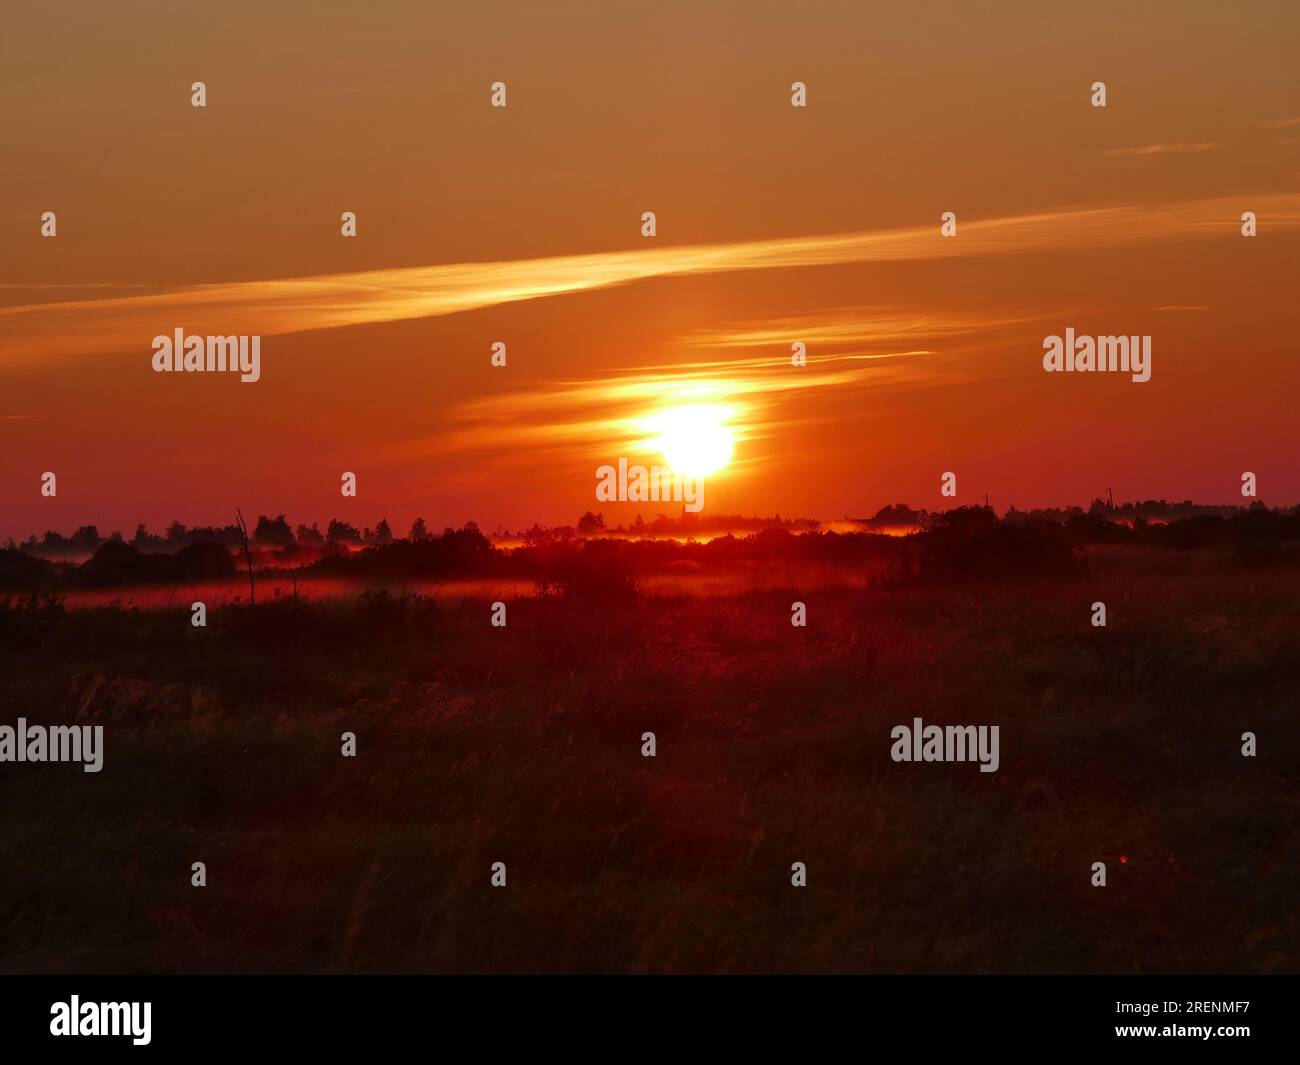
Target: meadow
[{"x": 523, "y": 745}]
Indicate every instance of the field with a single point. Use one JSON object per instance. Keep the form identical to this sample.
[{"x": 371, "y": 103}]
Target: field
[{"x": 522, "y": 745}]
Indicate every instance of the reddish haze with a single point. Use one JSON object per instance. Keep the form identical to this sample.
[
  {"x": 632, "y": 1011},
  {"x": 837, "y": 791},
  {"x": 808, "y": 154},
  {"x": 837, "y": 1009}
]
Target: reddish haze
[{"x": 775, "y": 225}]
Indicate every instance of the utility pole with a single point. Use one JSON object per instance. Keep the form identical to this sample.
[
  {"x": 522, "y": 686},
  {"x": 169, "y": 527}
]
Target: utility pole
[{"x": 1111, "y": 496}]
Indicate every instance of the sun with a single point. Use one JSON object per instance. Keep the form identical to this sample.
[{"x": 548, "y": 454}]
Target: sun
[{"x": 694, "y": 439}]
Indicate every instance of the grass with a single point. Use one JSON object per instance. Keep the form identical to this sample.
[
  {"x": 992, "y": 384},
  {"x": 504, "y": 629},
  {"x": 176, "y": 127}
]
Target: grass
[{"x": 522, "y": 745}]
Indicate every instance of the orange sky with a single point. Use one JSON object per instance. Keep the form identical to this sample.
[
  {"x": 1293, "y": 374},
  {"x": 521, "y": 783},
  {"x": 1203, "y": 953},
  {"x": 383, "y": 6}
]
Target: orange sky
[{"x": 523, "y": 225}]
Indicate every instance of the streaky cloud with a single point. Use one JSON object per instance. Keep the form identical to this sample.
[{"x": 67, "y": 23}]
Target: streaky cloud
[
  {"x": 1163, "y": 149},
  {"x": 288, "y": 305}
]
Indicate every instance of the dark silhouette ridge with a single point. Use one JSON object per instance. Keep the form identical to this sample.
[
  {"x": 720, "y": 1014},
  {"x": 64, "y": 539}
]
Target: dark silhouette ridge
[{"x": 958, "y": 544}]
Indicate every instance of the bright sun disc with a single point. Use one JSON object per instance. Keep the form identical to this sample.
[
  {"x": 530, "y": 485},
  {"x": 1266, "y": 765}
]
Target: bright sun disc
[{"x": 694, "y": 440}]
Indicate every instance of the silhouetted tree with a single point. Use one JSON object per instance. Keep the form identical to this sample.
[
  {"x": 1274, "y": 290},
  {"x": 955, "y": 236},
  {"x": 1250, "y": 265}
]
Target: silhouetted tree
[
  {"x": 342, "y": 531},
  {"x": 272, "y": 532},
  {"x": 897, "y": 514},
  {"x": 87, "y": 536},
  {"x": 590, "y": 524},
  {"x": 312, "y": 536}
]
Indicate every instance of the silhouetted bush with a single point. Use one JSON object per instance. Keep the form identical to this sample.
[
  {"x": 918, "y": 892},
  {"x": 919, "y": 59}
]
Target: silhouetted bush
[
  {"x": 971, "y": 543},
  {"x": 20, "y": 570}
]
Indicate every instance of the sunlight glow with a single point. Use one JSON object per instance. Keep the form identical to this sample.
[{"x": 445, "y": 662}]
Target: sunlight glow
[{"x": 694, "y": 439}]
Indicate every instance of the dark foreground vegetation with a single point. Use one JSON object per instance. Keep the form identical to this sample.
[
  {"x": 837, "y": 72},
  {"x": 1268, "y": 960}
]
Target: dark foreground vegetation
[{"x": 523, "y": 745}]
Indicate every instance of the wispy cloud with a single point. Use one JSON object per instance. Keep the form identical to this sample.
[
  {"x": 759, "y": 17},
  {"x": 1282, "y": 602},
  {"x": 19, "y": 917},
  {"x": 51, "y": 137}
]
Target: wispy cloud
[
  {"x": 1279, "y": 123},
  {"x": 837, "y": 327},
  {"x": 605, "y": 414},
  {"x": 288, "y": 305},
  {"x": 1163, "y": 149},
  {"x": 71, "y": 286}
]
